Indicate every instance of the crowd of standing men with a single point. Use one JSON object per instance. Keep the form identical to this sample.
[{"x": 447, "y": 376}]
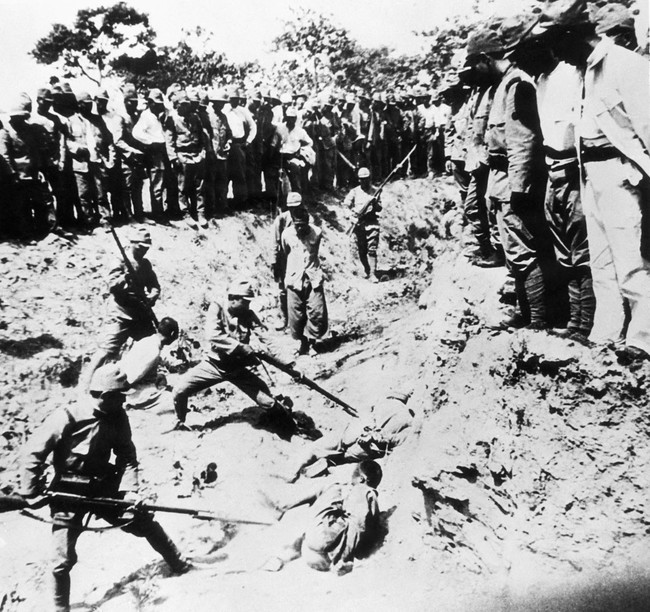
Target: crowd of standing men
[
  {"x": 551, "y": 149},
  {"x": 74, "y": 159}
]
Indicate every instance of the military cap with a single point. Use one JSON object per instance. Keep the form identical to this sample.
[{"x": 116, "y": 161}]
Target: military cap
[
  {"x": 294, "y": 199},
  {"x": 234, "y": 93},
  {"x": 155, "y": 95},
  {"x": 142, "y": 237},
  {"x": 391, "y": 99},
  {"x": 485, "y": 40},
  {"x": 102, "y": 95},
  {"x": 44, "y": 94},
  {"x": 109, "y": 378},
  {"x": 363, "y": 173},
  {"x": 84, "y": 97},
  {"x": 365, "y": 96},
  {"x": 217, "y": 95},
  {"x": 22, "y": 106},
  {"x": 241, "y": 288},
  {"x": 286, "y": 98},
  {"x": 516, "y": 29},
  {"x": 181, "y": 97},
  {"x": 291, "y": 112},
  {"x": 193, "y": 95},
  {"x": 563, "y": 14},
  {"x": 272, "y": 96},
  {"x": 129, "y": 92},
  {"x": 300, "y": 94},
  {"x": 613, "y": 16}
]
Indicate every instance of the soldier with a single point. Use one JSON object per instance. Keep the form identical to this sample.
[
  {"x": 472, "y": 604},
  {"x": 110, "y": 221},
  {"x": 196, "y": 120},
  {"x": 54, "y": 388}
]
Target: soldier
[
  {"x": 303, "y": 279},
  {"x": 51, "y": 132},
  {"x": 150, "y": 132},
  {"x": 349, "y": 118},
  {"x": 254, "y": 150},
  {"x": 616, "y": 22},
  {"x": 518, "y": 176},
  {"x": 614, "y": 139},
  {"x": 366, "y": 230},
  {"x": 326, "y": 128},
  {"x": 20, "y": 158},
  {"x": 103, "y": 160},
  {"x": 132, "y": 301},
  {"x": 483, "y": 77},
  {"x": 453, "y": 94},
  {"x": 217, "y": 176},
  {"x": 228, "y": 356},
  {"x": 243, "y": 129},
  {"x": 186, "y": 149},
  {"x": 393, "y": 134},
  {"x": 80, "y": 440},
  {"x": 295, "y": 148},
  {"x": 279, "y": 265}
]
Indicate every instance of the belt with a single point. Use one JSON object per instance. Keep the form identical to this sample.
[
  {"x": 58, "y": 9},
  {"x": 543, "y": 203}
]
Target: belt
[
  {"x": 596, "y": 154},
  {"x": 558, "y": 155},
  {"x": 498, "y": 162}
]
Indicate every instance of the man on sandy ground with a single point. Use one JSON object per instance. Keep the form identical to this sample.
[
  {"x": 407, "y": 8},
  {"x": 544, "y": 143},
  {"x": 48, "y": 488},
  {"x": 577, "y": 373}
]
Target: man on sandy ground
[
  {"x": 186, "y": 149},
  {"x": 303, "y": 279},
  {"x": 150, "y": 132},
  {"x": 228, "y": 356},
  {"x": 80, "y": 440},
  {"x": 614, "y": 137},
  {"x": 341, "y": 524},
  {"x": 20, "y": 163},
  {"x": 133, "y": 299},
  {"x": 279, "y": 265},
  {"x": 243, "y": 130},
  {"x": 366, "y": 206},
  {"x": 140, "y": 365},
  {"x": 390, "y": 423},
  {"x": 217, "y": 170}
]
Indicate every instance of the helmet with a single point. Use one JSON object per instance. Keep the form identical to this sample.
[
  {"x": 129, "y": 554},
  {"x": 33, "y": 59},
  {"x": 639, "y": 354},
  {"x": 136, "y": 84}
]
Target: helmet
[
  {"x": 293, "y": 199},
  {"x": 363, "y": 173}
]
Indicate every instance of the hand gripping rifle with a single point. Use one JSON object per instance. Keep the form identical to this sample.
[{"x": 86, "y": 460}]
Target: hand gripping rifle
[
  {"x": 369, "y": 203},
  {"x": 81, "y": 502},
  {"x": 299, "y": 377},
  {"x": 134, "y": 279}
]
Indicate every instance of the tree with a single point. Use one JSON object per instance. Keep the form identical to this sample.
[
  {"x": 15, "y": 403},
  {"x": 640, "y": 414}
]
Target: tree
[
  {"x": 193, "y": 61},
  {"x": 101, "y": 41}
]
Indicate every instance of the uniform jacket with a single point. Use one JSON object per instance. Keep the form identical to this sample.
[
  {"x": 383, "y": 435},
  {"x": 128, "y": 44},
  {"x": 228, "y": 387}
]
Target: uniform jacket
[
  {"x": 20, "y": 152},
  {"x": 302, "y": 260},
  {"x": 226, "y": 335},
  {"x": 184, "y": 138},
  {"x": 81, "y": 441},
  {"x": 617, "y": 81},
  {"x": 480, "y": 104},
  {"x": 126, "y": 304},
  {"x": 514, "y": 137}
]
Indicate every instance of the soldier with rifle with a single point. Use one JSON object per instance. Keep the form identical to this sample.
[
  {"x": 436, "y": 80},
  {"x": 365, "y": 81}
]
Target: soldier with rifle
[
  {"x": 363, "y": 199},
  {"x": 135, "y": 289},
  {"x": 365, "y": 202},
  {"x": 229, "y": 357},
  {"x": 81, "y": 441}
]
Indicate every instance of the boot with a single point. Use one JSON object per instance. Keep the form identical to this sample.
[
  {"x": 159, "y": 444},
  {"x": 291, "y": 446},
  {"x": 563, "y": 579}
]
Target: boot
[
  {"x": 62, "y": 592},
  {"x": 587, "y": 304},
  {"x": 534, "y": 292},
  {"x": 575, "y": 309},
  {"x": 163, "y": 545}
]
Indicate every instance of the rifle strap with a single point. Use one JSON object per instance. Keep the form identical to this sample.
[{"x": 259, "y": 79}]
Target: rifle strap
[{"x": 40, "y": 519}]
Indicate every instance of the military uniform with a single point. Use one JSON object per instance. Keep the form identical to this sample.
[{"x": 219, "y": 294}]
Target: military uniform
[
  {"x": 81, "y": 441},
  {"x": 228, "y": 357},
  {"x": 366, "y": 231}
]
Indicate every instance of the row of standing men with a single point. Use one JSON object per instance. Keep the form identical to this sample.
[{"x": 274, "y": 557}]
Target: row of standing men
[
  {"x": 551, "y": 149},
  {"x": 75, "y": 159}
]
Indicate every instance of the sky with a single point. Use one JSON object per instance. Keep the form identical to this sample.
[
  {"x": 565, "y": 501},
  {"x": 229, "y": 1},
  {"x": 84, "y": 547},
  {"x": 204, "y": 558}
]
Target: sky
[{"x": 243, "y": 29}]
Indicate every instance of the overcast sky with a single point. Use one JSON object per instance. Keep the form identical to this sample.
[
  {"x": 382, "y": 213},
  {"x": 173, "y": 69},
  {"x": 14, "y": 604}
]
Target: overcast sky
[{"x": 243, "y": 29}]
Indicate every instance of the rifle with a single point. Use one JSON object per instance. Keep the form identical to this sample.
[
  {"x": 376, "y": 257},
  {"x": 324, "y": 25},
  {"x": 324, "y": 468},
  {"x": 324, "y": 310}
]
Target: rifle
[
  {"x": 297, "y": 376},
  {"x": 346, "y": 160},
  {"x": 369, "y": 203},
  {"x": 131, "y": 271},
  {"x": 17, "y": 502}
]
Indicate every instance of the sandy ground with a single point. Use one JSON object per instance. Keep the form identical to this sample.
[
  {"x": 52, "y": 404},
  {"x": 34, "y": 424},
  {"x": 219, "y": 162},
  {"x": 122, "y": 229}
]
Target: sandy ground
[{"x": 525, "y": 487}]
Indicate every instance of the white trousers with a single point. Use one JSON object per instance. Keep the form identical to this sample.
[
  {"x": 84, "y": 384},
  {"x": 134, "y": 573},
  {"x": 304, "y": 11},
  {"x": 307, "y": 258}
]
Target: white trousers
[{"x": 612, "y": 201}]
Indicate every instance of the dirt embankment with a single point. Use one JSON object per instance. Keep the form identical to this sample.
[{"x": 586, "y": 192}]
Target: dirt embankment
[{"x": 527, "y": 481}]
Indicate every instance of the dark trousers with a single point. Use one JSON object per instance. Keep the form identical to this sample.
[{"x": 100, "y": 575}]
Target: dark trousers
[
  {"x": 307, "y": 311},
  {"x": 237, "y": 173},
  {"x": 163, "y": 183},
  {"x": 191, "y": 177}
]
